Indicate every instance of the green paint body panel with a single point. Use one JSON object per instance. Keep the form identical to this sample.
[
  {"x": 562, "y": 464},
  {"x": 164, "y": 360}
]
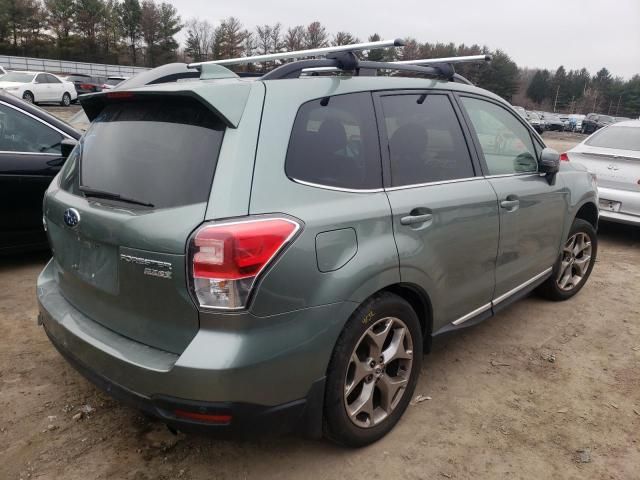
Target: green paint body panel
[{"x": 147, "y": 333}]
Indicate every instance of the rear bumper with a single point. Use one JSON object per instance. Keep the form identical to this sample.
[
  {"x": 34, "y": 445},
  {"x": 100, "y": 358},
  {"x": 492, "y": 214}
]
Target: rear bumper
[
  {"x": 629, "y": 206},
  {"x": 268, "y": 378},
  {"x": 303, "y": 416}
]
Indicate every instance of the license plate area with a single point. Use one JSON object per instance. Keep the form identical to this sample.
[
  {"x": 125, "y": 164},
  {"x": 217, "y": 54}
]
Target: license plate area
[
  {"x": 609, "y": 205},
  {"x": 94, "y": 263}
]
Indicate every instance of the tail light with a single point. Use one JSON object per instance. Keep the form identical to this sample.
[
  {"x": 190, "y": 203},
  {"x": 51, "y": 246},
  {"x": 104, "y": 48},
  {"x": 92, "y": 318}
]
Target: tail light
[
  {"x": 564, "y": 157},
  {"x": 227, "y": 258},
  {"x": 86, "y": 86}
]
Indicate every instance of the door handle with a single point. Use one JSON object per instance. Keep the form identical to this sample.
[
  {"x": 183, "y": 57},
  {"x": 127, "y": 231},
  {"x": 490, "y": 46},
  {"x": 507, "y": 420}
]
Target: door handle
[
  {"x": 413, "y": 219},
  {"x": 509, "y": 204}
]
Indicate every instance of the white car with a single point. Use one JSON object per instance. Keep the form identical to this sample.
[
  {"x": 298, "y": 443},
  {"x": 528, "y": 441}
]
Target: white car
[
  {"x": 613, "y": 154},
  {"x": 36, "y": 87}
]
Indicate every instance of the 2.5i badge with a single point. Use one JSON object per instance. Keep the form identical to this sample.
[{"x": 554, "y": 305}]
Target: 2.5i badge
[{"x": 153, "y": 268}]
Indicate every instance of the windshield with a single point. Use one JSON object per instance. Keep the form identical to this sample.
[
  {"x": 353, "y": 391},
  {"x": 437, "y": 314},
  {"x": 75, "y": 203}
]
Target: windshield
[
  {"x": 605, "y": 119},
  {"x": 158, "y": 151},
  {"x": 113, "y": 81},
  {"x": 534, "y": 116},
  {"x": 623, "y": 138},
  {"x": 18, "y": 77}
]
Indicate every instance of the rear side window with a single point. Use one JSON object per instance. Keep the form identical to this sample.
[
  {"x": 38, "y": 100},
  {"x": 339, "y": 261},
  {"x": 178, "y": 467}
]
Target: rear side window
[
  {"x": 159, "y": 151},
  {"x": 624, "y": 138},
  {"x": 426, "y": 143},
  {"x": 334, "y": 142}
]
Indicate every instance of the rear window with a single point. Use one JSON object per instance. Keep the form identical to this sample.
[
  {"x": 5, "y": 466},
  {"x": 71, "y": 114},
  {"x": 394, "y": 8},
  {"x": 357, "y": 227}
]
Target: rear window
[
  {"x": 334, "y": 142},
  {"x": 623, "y": 138},
  {"x": 158, "y": 151}
]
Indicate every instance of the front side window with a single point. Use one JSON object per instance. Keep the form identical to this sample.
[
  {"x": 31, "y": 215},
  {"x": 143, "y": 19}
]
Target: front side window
[
  {"x": 334, "y": 142},
  {"x": 425, "y": 140},
  {"x": 21, "y": 133},
  {"x": 505, "y": 142}
]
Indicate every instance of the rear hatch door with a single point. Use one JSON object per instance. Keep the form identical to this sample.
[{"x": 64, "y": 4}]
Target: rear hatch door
[{"x": 121, "y": 211}]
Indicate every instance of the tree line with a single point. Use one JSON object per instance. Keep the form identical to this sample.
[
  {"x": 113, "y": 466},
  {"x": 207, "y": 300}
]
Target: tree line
[{"x": 143, "y": 33}]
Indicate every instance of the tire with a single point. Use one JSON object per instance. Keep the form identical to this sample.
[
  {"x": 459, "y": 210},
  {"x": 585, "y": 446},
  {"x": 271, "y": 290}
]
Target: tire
[
  {"x": 66, "y": 100},
  {"x": 568, "y": 279},
  {"x": 28, "y": 97},
  {"x": 388, "y": 319}
]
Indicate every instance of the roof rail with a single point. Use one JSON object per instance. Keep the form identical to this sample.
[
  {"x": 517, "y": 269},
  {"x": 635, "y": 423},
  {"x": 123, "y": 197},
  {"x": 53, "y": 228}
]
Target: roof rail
[
  {"x": 312, "y": 52},
  {"x": 428, "y": 61}
]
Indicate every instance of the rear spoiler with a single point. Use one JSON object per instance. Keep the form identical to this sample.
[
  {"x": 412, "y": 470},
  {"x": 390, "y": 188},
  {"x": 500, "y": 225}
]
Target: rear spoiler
[{"x": 225, "y": 98}]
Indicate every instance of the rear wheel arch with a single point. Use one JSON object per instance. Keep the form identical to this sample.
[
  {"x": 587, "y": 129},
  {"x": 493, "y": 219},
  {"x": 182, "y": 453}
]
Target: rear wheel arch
[{"x": 419, "y": 301}]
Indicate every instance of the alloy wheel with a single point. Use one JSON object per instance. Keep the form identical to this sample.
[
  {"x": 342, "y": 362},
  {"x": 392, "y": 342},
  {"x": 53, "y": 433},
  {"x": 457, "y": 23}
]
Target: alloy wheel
[
  {"x": 378, "y": 372},
  {"x": 576, "y": 258}
]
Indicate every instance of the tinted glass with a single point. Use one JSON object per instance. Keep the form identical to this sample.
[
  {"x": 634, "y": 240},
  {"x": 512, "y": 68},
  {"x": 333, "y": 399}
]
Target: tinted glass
[
  {"x": 624, "y": 138},
  {"x": 21, "y": 133},
  {"x": 425, "y": 140},
  {"x": 334, "y": 142},
  {"x": 506, "y": 143},
  {"x": 17, "y": 77},
  {"x": 42, "y": 78},
  {"x": 162, "y": 152},
  {"x": 52, "y": 79}
]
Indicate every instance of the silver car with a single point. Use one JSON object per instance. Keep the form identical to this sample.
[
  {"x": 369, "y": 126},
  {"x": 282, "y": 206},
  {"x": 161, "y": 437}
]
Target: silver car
[{"x": 613, "y": 155}]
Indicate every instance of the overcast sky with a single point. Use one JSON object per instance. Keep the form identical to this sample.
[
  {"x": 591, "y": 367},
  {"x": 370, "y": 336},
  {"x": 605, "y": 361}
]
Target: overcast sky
[{"x": 540, "y": 33}]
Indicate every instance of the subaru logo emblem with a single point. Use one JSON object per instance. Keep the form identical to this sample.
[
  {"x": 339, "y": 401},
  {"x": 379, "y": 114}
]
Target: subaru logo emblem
[{"x": 71, "y": 217}]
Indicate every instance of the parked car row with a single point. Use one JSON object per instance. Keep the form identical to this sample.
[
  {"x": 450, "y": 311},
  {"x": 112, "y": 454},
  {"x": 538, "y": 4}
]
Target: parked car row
[
  {"x": 544, "y": 121},
  {"x": 44, "y": 87}
]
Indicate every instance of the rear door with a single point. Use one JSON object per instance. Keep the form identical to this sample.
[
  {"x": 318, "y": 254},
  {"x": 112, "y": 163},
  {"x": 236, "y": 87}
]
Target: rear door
[
  {"x": 42, "y": 91},
  {"x": 29, "y": 158},
  {"x": 56, "y": 87},
  {"x": 122, "y": 262},
  {"x": 532, "y": 212},
  {"x": 445, "y": 215}
]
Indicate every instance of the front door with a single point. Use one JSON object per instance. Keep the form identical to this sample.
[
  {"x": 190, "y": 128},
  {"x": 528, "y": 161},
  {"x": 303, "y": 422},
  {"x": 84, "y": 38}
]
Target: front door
[
  {"x": 532, "y": 211},
  {"x": 445, "y": 216},
  {"x": 29, "y": 158}
]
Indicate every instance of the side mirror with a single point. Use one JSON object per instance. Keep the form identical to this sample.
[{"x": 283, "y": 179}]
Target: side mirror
[
  {"x": 67, "y": 145},
  {"x": 549, "y": 164}
]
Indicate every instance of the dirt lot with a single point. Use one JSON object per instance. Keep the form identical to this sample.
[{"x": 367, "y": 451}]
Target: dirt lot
[{"x": 543, "y": 390}]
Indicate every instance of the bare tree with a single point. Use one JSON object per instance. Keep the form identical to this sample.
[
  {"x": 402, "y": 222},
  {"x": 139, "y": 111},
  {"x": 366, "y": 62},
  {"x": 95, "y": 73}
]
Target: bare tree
[
  {"x": 316, "y": 36},
  {"x": 344, "y": 38},
  {"x": 200, "y": 39},
  {"x": 294, "y": 38}
]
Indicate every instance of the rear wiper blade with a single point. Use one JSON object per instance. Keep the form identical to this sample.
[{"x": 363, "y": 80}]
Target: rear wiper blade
[{"x": 91, "y": 192}]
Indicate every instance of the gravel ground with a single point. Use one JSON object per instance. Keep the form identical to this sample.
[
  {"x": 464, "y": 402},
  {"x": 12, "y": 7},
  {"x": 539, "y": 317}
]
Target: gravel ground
[{"x": 543, "y": 390}]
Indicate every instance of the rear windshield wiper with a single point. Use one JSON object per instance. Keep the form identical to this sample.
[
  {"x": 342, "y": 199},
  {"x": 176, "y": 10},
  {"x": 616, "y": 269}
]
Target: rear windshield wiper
[{"x": 90, "y": 192}]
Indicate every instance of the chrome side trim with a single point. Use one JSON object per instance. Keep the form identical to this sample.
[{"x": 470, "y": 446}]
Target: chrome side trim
[
  {"x": 520, "y": 287},
  {"x": 29, "y": 153},
  {"x": 36, "y": 118},
  {"x": 337, "y": 189},
  {"x": 524, "y": 174},
  {"x": 472, "y": 314},
  {"x": 501, "y": 298},
  {"x": 428, "y": 184}
]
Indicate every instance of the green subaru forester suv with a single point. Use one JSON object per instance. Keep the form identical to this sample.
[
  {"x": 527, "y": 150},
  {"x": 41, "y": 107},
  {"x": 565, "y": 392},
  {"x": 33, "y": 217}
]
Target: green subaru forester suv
[{"x": 270, "y": 254}]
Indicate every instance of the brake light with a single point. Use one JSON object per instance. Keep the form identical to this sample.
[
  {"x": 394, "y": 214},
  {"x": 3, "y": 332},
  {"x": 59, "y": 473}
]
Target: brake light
[
  {"x": 227, "y": 258},
  {"x": 120, "y": 95},
  {"x": 86, "y": 86},
  {"x": 564, "y": 157},
  {"x": 219, "y": 418}
]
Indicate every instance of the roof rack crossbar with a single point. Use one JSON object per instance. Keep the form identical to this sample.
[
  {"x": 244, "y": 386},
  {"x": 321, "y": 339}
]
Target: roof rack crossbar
[
  {"x": 293, "y": 70},
  {"x": 313, "y": 52},
  {"x": 428, "y": 61}
]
